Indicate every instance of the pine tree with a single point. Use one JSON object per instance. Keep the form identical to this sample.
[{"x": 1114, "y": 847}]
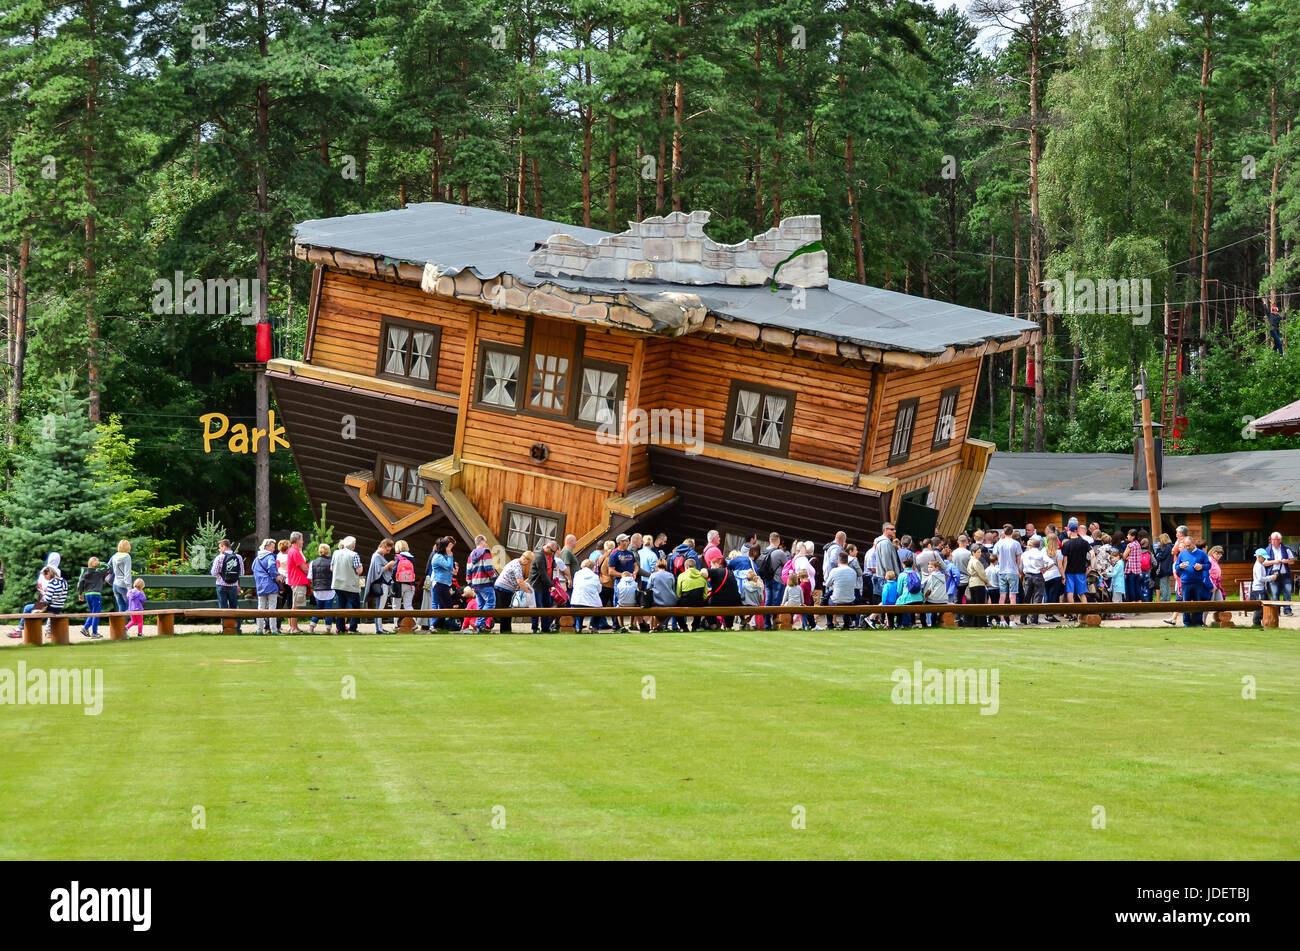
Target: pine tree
[{"x": 61, "y": 500}]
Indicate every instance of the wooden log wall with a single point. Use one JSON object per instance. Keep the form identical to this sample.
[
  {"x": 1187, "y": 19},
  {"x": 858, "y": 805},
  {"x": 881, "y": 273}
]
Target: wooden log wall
[
  {"x": 925, "y": 386},
  {"x": 349, "y": 318}
]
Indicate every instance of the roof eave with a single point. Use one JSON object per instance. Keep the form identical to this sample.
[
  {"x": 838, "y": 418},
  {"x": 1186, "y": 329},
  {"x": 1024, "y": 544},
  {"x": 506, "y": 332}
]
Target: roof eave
[{"x": 639, "y": 313}]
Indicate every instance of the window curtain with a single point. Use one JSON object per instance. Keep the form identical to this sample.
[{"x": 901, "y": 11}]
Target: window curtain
[
  {"x": 773, "y": 422},
  {"x": 517, "y": 537},
  {"x": 396, "y": 359},
  {"x": 501, "y": 379},
  {"x": 421, "y": 355},
  {"x": 599, "y": 396},
  {"x": 746, "y": 416}
]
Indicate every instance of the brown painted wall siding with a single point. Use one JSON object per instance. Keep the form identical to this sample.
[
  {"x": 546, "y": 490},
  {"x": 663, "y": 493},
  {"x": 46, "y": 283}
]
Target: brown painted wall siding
[
  {"x": 1248, "y": 520},
  {"x": 830, "y": 401},
  {"x": 348, "y": 323},
  {"x": 925, "y": 385},
  {"x": 312, "y": 416},
  {"x": 715, "y": 494},
  {"x": 506, "y": 439}
]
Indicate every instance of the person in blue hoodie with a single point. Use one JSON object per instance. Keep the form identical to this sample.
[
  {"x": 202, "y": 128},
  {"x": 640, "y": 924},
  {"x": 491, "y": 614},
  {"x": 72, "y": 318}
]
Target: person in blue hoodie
[
  {"x": 687, "y": 551},
  {"x": 1193, "y": 567},
  {"x": 264, "y": 574}
]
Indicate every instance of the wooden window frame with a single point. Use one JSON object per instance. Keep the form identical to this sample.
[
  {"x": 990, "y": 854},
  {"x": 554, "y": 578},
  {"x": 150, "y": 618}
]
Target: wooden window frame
[
  {"x": 526, "y": 373},
  {"x": 896, "y": 459},
  {"x": 477, "y": 400},
  {"x": 578, "y": 365},
  {"x": 764, "y": 391},
  {"x": 434, "y": 357},
  {"x": 504, "y": 534},
  {"x": 1222, "y": 536},
  {"x": 620, "y": 370},
  {"x": 937, "y": 443},
  {"x": 410, "y": 466}
]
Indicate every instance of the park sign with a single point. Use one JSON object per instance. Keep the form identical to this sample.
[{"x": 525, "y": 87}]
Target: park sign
[{"x": 242, "y": 438}]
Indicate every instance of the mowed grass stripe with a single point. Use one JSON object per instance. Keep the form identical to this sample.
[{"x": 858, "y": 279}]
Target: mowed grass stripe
[{"x": 1148, "y": 723}]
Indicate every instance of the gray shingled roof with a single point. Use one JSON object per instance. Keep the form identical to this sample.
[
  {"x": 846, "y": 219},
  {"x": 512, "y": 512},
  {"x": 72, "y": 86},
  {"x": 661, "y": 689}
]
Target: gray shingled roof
[
  {"x": 1284, "y": 420},
  {"x": 490, "y": 243},
  {"x": 1099, "y": 482}
]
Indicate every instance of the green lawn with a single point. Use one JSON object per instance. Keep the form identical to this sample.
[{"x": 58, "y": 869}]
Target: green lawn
[{"x": 1149, "y": 724}]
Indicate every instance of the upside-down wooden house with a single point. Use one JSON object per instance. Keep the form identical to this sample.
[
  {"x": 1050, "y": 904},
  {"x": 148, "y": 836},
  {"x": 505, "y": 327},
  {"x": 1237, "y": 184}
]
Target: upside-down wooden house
[{"x": 470, "y": 371}]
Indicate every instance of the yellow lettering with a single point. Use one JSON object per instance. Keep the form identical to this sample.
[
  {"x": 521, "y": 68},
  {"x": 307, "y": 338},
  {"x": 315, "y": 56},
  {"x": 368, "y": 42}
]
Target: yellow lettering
[
  {"x": 257, "y": 437},
  {"x": 276, "y": 432},
  {"x": 208, "y": 434},
  {"x": 239, "y": 438}
]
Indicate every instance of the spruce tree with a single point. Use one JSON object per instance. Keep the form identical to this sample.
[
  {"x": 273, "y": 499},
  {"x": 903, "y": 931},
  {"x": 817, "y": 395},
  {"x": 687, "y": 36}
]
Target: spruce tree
[{"x": 60, "y": 501}]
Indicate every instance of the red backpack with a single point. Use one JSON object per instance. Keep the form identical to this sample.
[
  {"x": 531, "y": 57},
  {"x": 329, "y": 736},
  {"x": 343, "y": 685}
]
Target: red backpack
[{"x": 405, "y": 569}]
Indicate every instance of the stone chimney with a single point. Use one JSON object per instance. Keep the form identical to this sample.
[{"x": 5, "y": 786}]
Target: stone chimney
[{"x": 674, "y": 249}]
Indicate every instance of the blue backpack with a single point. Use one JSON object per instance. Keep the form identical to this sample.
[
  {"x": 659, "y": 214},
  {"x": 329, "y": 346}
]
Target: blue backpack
[
  {"x": 954, "y": 580},
  {"x": 913, "y": 581}
]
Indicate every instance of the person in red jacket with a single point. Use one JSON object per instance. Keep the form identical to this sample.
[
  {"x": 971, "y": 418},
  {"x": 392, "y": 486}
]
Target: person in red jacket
[{"x": 296, "y": 577}]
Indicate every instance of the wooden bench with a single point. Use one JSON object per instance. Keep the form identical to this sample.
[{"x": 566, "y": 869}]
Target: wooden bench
[{"x": 33, "y": 624}]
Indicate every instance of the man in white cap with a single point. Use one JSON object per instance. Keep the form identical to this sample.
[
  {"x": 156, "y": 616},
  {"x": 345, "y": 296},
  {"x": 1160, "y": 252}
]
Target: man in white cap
[{"x": 1279, "y": 562}]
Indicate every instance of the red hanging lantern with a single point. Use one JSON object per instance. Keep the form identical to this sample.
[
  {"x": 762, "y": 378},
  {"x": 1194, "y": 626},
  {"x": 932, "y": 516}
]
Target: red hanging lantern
[
  {"x": 1029, "y": 371},
  {"x": 263, "y": 352}
]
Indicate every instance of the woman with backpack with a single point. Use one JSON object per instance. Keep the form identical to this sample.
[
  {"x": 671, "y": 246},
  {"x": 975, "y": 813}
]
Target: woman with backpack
[
  {"x": 1145, "y": 587},
  {"x": 403, "y": 593}
]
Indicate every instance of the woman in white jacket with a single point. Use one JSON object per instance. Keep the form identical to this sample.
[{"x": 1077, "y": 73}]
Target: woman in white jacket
[{"x": 586, "y": 593}]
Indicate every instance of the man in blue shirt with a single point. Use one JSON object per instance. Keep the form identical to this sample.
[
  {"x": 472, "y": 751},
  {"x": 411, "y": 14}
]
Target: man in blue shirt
[{"x": 1193, "y": 567}]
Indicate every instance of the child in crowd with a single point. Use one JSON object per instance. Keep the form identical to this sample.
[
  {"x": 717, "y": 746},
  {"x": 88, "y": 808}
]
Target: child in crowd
[
  {"x": 911, "y": 589},
  {"x": 625, "y": 595},
  {"x": 135, "y": 604},
  {"x": 993, "y": 574},
  {"x": 751, "y": 594},
  {"x": 1115, "y": 575},
  {"x": 889, "y": 595},
  {"x": 805, "y": 585},
  {"x": 936, "y": 591},
  {"x": 1259, "y": 578},
  {"x": 90, "y": 587},
  {"x": 471, "y": 603},
  {"x": 793, "y": 596}
]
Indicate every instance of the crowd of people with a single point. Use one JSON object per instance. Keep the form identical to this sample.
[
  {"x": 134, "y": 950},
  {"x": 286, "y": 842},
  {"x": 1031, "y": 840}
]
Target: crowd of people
[
  {"x": 52, "y": 591},
  {"x": 1059, "y": 569}
]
